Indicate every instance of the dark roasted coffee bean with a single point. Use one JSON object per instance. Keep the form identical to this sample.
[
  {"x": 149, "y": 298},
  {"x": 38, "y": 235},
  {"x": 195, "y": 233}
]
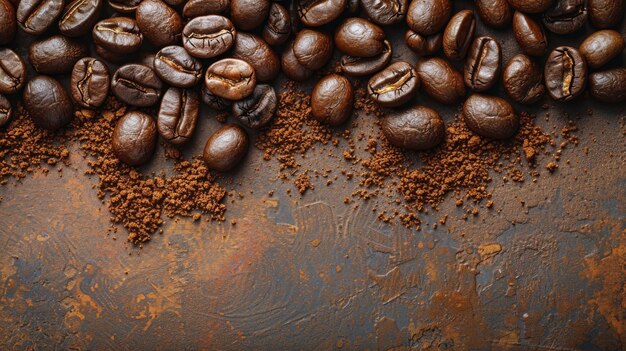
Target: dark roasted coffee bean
[
  {"x": 258, "y": 54},
  {"x": 134, "y": 138},
  {"x": 601, "y": 47},
  {"x": 8, "y": 23},
  {"x": 332, "y": 100},
  {"x": 89, "y": 83},
  {"x": 523, "y": 80},
  {"x": 458, "y": 35},
  {"x": 278, "y": 26},
  {"x": 440, "y": 81},
  {"x": 47, "y": 103},
  {"x": 112, "y": 57},
  {"x": 490, "y": 116},
  {"x": 386, "y": 12},
  {"x": 529, "y": 35},
  {"x": 136, "y": 85},
  {"x": 159, "y": 23},
  {"x": 79, "y": 17},
  {"x": 56, "y": 55},
  {"x": 118, "y": 34},
  {"x": 566, "y": 16},
  {"x": 197, "y": 8},
  {"x": 208, "y": 36},
  {"x": 494, "y": 13},
  {"x": 315, "y": 13},
  {"x": 36, "y": 16},
  {"x": 483, "y": 65},
  {"x": 421, "y": 45},
  {"x": 358, "y": 37},
  {"x": 565, "y": 73},
  {"x": 363, "y": 66},
  {"x": 293, "y": 69},
  {"x": 231, "y": 79},
  {"x": 6, "y": 111},
  {"x": 178, "y": 115},
  {"x": 531, "y": 6},
  {"x": 124, "y": 6},
  {"x": 609, "y": 86},
  {"x": 394, "y": 86},
  {"x": 12, "y": 72},
  {"x": 312, "y": 49},
  {"x": 213, "y": 101},
  {"x": 226, "y": 148},
  {"x": 249, "y": 14},
  {"x": 427, "y": 17},
  {"x": 256, "y": 110},
  {"x": 176, "y": 67},
  {"x": 416, "y": 128},
  {"x": 606, "y": 13}
]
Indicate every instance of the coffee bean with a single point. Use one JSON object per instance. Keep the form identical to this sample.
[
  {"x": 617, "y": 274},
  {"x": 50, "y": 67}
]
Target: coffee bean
[
  {"x": 566, "y": 16},
  {"x": 36, "y": 16},
  {"x": 422, "y": 45},
  {"x": 112, "y": 57},
  {"x": 523, "y": 80},
  {"x": 315, "y": 13},
  {"x": 136, "y": 85},
  {"x": 249, "y": 14},
  {"x": 386, "y": 12},
  {"x": 440, "y": 81},
  {"x": 47, "y": 103},
  {"x": 178, "y": 115},
  {"x": 529, "y": 35},
  {"x": 494, "y": 13},
  {"x": 358, "y": 37},
  {"x": 565, "y": 73},
  {"x": 124, "y": 6},
  {"x": 609, "y": 85},
  {"x": 208, "y": 36},
  {"x": 79, "y": 17},
  {"x": 363, "y": 66},
  {"x": 490, "y": 117},
  {"x": 176, "y": 67},
  {"x": 258, "y": 54},
  {"x": 312, "y": 49},
  {"x": 6, "y": 111},
  {"x": 8, "y": 23},
  {"x": 458, "y": 35},
  {"x": 89, "y": 83},
  {"x": 278, "y": 26},
  {"x": 416, "y": 128},
  {"x": 159, "y": 23},
  {"x": 483, "y": 65},
  {"x": 606, "y": 13},
  {"x": 601, "y": 47},
  {"x": 394, "y": 86},
  {"x": 146, "y": 58},
  {"x": 226, "y": 148},
  {"x": 531, "y": 6},
  {"x": 134, "y": 138},
  {"x": 230, "y": 78},
  {"x": 197, "y": 8},
  {"x": 293, "y": 69},
  {"x": 256, "y": 110},
  {"x": 213, "y": 101},
  {"x": 118, "y": 34},
  {"x": 332, "y": 100},
  {"x": 56, "y": 55},
  {"x": 427, "y": 17},
  {"x": 12, "y": 72}
]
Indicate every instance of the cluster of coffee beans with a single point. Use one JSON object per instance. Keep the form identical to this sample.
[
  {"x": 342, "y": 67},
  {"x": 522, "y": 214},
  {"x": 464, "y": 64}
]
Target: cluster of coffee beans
[{"x": 226, "y": 53}]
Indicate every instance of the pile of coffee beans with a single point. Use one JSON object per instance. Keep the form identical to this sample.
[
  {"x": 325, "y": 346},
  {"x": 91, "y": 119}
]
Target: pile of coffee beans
[{"x": 173, "y": 55}]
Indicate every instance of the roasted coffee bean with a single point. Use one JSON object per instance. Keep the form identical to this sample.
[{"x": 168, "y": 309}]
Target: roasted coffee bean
[
  {"x": 490, "y": 116},
  {"x": 136, "y": 85},
  {"x": 394, "y": 86},
  {"x": 159, "y": 23},
  {"x": 523, "y": 80},
  {"x": 363, "y": 66},
  {"x": 197, "y": 8},
  {"x": 249, "y": 14},
  {"x": 606, "y": 13},
  {"x": 226, "y": 148},
  {"x": 213, "y": 101},
  {"x": 12, "y": 72},
  {"x": 134, "y": 138},
  {"x": 422, "y": 45},
  {"x": 315, "y": 13},
  {"x": 386, "y": 12},
  {"x": 258, "y": 54},
  {"x": 566, "y": 16},
  {"x": 609, "y": 86},
  {"x": 256, "y": 110},
  {"x": 8, "y": 23},
  {"x": 483, "y": 65},
  {"x": 416, "y": 128},
  {"x": 89, "y": 83},
  {"x": 427, "y": 17},
  {"x": 47, "y": 103},
  {"x": 113, "y": 57},
  {"x": 440, "y": 81},
  {"x": 178, "y": 115},
  {"x": 565, "y": 73},
  {"x": 293, "y": 69},
  {"x": 124, "y": 6},
  {"x": 494, "y": 13},
  {"x": 231, "y": 79},
  {"x": 6, "y": 111},
  {"x": 458, "y": 35},
  {"x": 529, "y": 35},
  {"x": 278, "y": 26},
  {"x": 56, "y": 55},
  {"x": 36, "y": 16},
  {"x": 312, "y": 49},
  {"x": 332, "y": 100},
  {"x": 358, "y": 37},
  {"x": 601, "y": 47},
  {"x": 118, "y": 34},
  {"x": 531, "y": 6},
  {"x": 176, "y": 67},
  {"x": 79, "y": 17},
  {"x": 208, "y": 36}
]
